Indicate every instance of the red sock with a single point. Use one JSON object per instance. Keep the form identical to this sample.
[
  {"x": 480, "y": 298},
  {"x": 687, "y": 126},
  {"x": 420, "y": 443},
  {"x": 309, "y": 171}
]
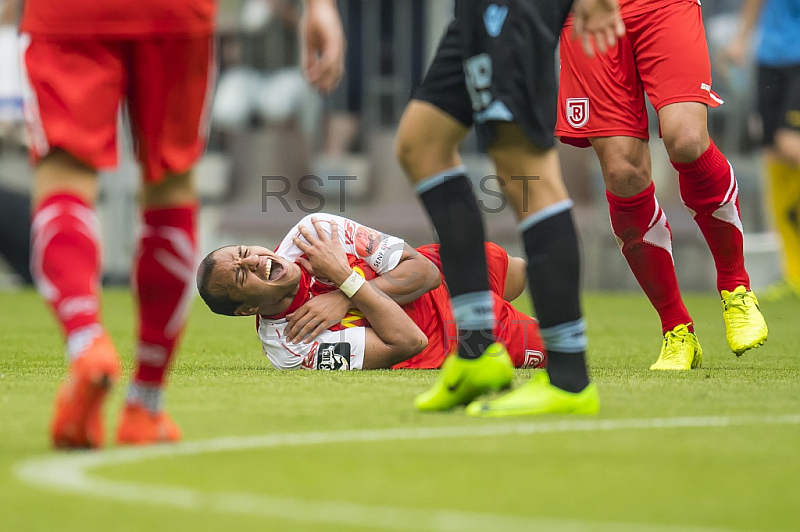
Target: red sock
[
  {"x": 66, "y": 263},
  {"x": 164, "y": 284},
  {"x": 645, "y": 239},
  {"x": 711, "y": 194}
]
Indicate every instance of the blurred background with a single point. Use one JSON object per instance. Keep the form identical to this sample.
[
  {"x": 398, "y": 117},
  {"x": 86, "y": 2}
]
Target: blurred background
[{"x": 270, "y": 130}]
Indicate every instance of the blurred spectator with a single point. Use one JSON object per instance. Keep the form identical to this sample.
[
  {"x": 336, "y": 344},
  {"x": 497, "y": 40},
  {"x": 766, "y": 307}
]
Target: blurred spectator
[
  {"x": 11, "y": 122},
  {"x": 247, "y": 95},
  {"x": 342, "y": 122},
  {"x": 776, "y": 24}
]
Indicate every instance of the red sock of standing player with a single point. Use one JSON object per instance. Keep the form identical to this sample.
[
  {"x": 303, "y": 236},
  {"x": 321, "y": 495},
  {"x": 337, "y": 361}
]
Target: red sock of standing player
[
  {"x": 711, "y": 194},
  {"x": 66, "y": 263},
  {"x": 645, "y": 240},
  {"x": 164, "y": 285}
]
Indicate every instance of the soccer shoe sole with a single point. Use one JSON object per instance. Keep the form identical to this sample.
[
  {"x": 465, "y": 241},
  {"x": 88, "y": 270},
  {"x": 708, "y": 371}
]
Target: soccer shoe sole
[
  {"x": 78, "y": 424},
  {"x": 137, "y": 426},
  {"x": 741, "y": 350},
  {"x": 589, "y": 407}
]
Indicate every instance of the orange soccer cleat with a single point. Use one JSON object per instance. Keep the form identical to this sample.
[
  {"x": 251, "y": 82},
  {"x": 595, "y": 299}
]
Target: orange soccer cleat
[
  {"x": 78, "y": 419},
  {"x": 139, "y": 426}
]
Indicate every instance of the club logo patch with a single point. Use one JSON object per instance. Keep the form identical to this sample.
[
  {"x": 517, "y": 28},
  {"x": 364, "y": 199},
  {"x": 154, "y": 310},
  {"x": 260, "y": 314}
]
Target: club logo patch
[
  {"x": 493, "y": 18},
  {"x": 333, "y": 357},
  {"x": 577, "y": 111},
  {"x": 533, "y": 359}
]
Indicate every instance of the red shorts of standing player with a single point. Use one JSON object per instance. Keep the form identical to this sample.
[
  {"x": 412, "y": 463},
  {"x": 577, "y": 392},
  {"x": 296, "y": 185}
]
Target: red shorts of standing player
[
  {"x": 82, "y": 61},
  {"x": 601, "y": 103}
]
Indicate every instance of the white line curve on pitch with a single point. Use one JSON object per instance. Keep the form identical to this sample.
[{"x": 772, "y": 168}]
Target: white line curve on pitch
[{"x": 70, "y": 473}]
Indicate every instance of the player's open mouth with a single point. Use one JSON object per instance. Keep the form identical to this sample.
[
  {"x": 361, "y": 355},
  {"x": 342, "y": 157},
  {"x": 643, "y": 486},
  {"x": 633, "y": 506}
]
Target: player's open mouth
[{"x": 274, "y": 270}]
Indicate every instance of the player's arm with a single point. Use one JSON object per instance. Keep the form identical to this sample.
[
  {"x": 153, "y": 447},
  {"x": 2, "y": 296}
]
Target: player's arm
[
  {"x": 748, "y": 17},
  {"x": 323, "y": 43},
  {"x": 394, "y": 336},
  {"x": 413, "y": 276},
  {"x": 516, "y": 278}
]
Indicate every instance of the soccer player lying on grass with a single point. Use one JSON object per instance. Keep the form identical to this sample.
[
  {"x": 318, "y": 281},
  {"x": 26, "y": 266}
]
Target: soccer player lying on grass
[{"x": 304, "y": 321}]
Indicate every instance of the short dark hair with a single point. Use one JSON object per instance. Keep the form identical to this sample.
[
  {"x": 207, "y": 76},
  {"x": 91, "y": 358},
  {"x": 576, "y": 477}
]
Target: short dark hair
[{"x": 218, "y": 303}]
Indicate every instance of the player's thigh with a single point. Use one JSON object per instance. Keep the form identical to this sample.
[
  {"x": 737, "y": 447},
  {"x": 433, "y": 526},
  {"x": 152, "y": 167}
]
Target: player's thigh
[
  {"x": 672, "y": 55},
  {"x": 169, "y": 98},
  {"x": 600, "y": 96},
  {"x": 427, "y": 140},
  {"x": 684, "y": 127},
  {"x": 74, "y": 89},
  {"x": 529, "y": 175}
]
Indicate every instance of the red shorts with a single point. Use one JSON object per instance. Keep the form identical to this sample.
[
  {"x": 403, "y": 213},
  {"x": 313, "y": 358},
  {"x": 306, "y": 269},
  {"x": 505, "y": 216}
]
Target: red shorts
[
  {"x": 433, "y": 313},
  {"x": 663, "y": 53},
  {"x": 521, "y": 335},
  {"x": 74, "y": 89}
]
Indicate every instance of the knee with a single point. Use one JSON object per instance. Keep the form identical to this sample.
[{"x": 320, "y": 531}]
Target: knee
[
  {"x": 624, "y": 177},
  {"x": 406, "y": 148},
  {"x": 422, "y": 155},
  {"x": 174, "y": 189},
  {"x": 686, "y": 144}
]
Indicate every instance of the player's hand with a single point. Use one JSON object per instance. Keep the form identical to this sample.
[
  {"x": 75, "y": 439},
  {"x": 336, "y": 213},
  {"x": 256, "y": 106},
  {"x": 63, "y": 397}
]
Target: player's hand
[
  {"x": 323, "y": 44},
  {"x": 598, "y": 24},
  {"x": 316, "y": 315},
  {"x": 324, "y": 254},
  {"x": 736, "y": 52}
]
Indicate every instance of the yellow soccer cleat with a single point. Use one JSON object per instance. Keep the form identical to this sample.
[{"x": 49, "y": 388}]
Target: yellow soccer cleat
[
  {"x": 744, "y": 325},
  {"x": 538, "y": 396},
  {"x": 680, "y": 350},
  {"x": 463, "y": 380}
]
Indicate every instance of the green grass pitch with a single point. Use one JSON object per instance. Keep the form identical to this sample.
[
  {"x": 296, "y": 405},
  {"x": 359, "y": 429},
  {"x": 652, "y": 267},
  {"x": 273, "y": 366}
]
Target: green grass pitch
[{"x": 435, "y": 471}]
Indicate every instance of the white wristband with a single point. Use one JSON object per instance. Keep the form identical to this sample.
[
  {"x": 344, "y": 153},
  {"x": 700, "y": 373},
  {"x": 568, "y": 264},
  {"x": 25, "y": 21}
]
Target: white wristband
[{"x": 351, "y": 285}]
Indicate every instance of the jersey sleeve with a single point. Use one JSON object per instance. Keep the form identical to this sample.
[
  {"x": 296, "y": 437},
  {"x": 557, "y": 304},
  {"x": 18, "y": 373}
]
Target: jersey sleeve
[
  {"x": 380, "y": 251},
  {"x": 332, "y": 350}
]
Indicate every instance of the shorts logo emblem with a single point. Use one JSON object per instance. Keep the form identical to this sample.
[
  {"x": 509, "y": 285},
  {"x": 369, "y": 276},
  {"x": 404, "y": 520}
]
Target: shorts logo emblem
[
  {"x": 577, "y": 111},
  {"x": 493, "y": 18},
  {"x": 533, "y": 359}
]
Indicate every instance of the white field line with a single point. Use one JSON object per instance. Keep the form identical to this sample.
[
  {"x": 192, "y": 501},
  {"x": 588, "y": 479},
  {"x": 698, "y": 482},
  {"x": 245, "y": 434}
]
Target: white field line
[{"x": 70, "y": 473}]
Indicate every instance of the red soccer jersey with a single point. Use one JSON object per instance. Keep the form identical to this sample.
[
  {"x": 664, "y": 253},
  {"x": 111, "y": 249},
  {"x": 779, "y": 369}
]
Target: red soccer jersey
[
  {"x": 433, "y": 313},
  {"x": 118, "y": 18}
]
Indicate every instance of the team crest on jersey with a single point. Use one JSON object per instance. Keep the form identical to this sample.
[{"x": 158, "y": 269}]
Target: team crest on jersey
[
  {"x": 577, "y": 111},
  {"x": 493, "y": 19},
  {"x": 533, "y": 359},
  {"x": 333, "y": 357}
]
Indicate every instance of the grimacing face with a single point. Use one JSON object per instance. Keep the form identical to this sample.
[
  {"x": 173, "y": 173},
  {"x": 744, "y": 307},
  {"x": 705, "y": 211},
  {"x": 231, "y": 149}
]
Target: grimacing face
[{"x": 254, "y": 275}]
